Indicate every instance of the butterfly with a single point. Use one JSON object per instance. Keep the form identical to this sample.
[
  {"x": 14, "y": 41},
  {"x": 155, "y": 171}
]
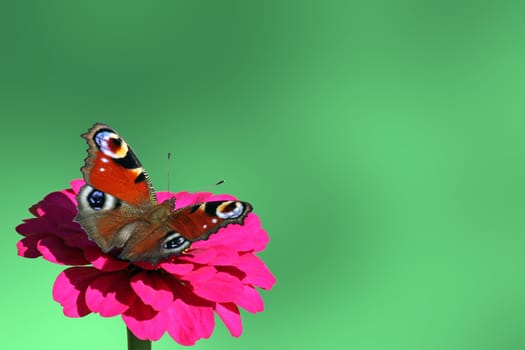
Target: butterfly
[{"x": 118, "y": 208}]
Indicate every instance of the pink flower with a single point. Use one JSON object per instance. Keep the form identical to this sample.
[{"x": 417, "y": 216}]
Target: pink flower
[{"x": 179, "y": 296}]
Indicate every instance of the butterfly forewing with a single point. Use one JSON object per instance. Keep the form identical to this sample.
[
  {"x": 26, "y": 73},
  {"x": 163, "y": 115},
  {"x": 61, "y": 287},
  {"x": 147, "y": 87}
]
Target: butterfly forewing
[{"x": 112, "y": 167}]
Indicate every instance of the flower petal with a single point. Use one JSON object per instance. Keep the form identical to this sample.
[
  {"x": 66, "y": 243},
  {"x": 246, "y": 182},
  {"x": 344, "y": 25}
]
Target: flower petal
[
  {"x": 198, "y": 256},
  {"x": 250, "y": 300},
  {"x": 144, "y": 322},
  {"x": 221, "y": 197},
  {"x": 190, "y": 323},
  {"x": 256, "y": 271},
  {"x": 110, "y": 294},
  {"x": 27, "y": 247},
  {"x": 260, "y": 236},
  {"x": 58, "y": 205},
  {"x": 229, "y": 314},
  {"x": 35, "y": 225},
  {"x": 53, "y": 249},
  {"x": 146, "y": 265},
  {"x": 102, "y": 261},
  {"x": 76, "y": 185},
  {"x": 73, "y": 234},
  {"x": 177, "y": 269},
  {"x": 212, "y": 285},
  {"x": 151, "y": 288},
  {"x": 185, "y": 199},
  {"x": 241, "y": 238},
  {"x": 70, "y": 287},
  {"x": 163, "y": 195}
]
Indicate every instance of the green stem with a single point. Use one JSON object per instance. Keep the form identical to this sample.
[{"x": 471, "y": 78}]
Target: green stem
[{"x": 135, "y": 343}]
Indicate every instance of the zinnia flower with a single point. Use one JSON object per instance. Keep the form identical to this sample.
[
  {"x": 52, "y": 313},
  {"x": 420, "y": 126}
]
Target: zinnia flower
[{"x": 179, "y": 296}]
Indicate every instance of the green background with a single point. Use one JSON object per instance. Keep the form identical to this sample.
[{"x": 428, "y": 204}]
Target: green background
[{"x": 381, "y": 143}]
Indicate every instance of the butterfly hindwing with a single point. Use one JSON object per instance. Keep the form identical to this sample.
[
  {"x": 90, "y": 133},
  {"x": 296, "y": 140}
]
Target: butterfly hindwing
[
  {"x": 107, "y": 220},
  {"x": 198, "y": 221}
]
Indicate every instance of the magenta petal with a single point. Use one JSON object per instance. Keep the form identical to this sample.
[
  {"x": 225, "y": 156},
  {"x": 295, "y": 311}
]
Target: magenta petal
[
  {"x": 163, "y": 195},
  {"x": 199, "y": 256},
  {"x": 229, "y": 314},
  {"x": 102, "y": 261},
  {"x": 185, "y": 198},
  {"x": 70, "y": 287},
  {"x": 190, "y": 323},
  {"x": 224, "y": 255},
  {"x": 144, "y": 322},
  {"x": 73, "y": 235},
  {"x": 152, "y": 290},
  {"x": 215, "y": 253},
  {"x": 71, "y": 195},
  {"x": 110, "y": 294},
  {"x": 256, "y": 271},
  {"x": 146, "y": 265},
  {"x": 260, "y": 236},
  {"x": 76, "y": 185},
  {"x": 183, "y": 290},
  {"x": 58, "y": 206},
  {"x": 27, "y": 247},
  {"x": 36, "y": 225},
  {"x": 250, "y": 300},
  {"x": 221, "y": 197},
  {"x": 212, "y": 285},
  {"x": 54, "y": 250},
  {"x": 177, "y": 269},
  {"x": 241, "y": 238}
]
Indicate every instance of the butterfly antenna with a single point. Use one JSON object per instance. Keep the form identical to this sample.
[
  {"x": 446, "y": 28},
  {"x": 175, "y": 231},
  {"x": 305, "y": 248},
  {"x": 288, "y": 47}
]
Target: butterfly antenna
[
  {"x": 211, "y": 186},
  {"x": 205, "y": 189},
  {"x": 169, "y": 167}
]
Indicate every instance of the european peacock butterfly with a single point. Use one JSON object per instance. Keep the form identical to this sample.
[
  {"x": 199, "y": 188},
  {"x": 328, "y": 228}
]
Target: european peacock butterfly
[{"x": 118, "y": 209}]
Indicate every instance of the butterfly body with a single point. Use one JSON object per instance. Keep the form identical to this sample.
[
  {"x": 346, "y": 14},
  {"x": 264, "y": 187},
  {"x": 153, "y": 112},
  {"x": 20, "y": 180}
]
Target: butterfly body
[{"x": 118, "y": 209}]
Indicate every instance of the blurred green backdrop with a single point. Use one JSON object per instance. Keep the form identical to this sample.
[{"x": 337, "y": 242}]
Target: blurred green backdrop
[{"x": 381, "y": 143}]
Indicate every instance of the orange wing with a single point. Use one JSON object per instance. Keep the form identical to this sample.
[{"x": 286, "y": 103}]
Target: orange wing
[
  {"x": 112, "y": 167},
  {"x": 184, "y": 226},
  {"x": 199, "y": 221}
]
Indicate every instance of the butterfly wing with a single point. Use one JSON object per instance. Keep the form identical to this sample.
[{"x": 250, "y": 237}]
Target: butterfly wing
[
  {"x": 112, "y": 167},
  {"x": 117, "y": 193},
  {"x": 112, "y": 225},
  {"x": 199, "y": 221},
  {"x": 184, "y": 226}
]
